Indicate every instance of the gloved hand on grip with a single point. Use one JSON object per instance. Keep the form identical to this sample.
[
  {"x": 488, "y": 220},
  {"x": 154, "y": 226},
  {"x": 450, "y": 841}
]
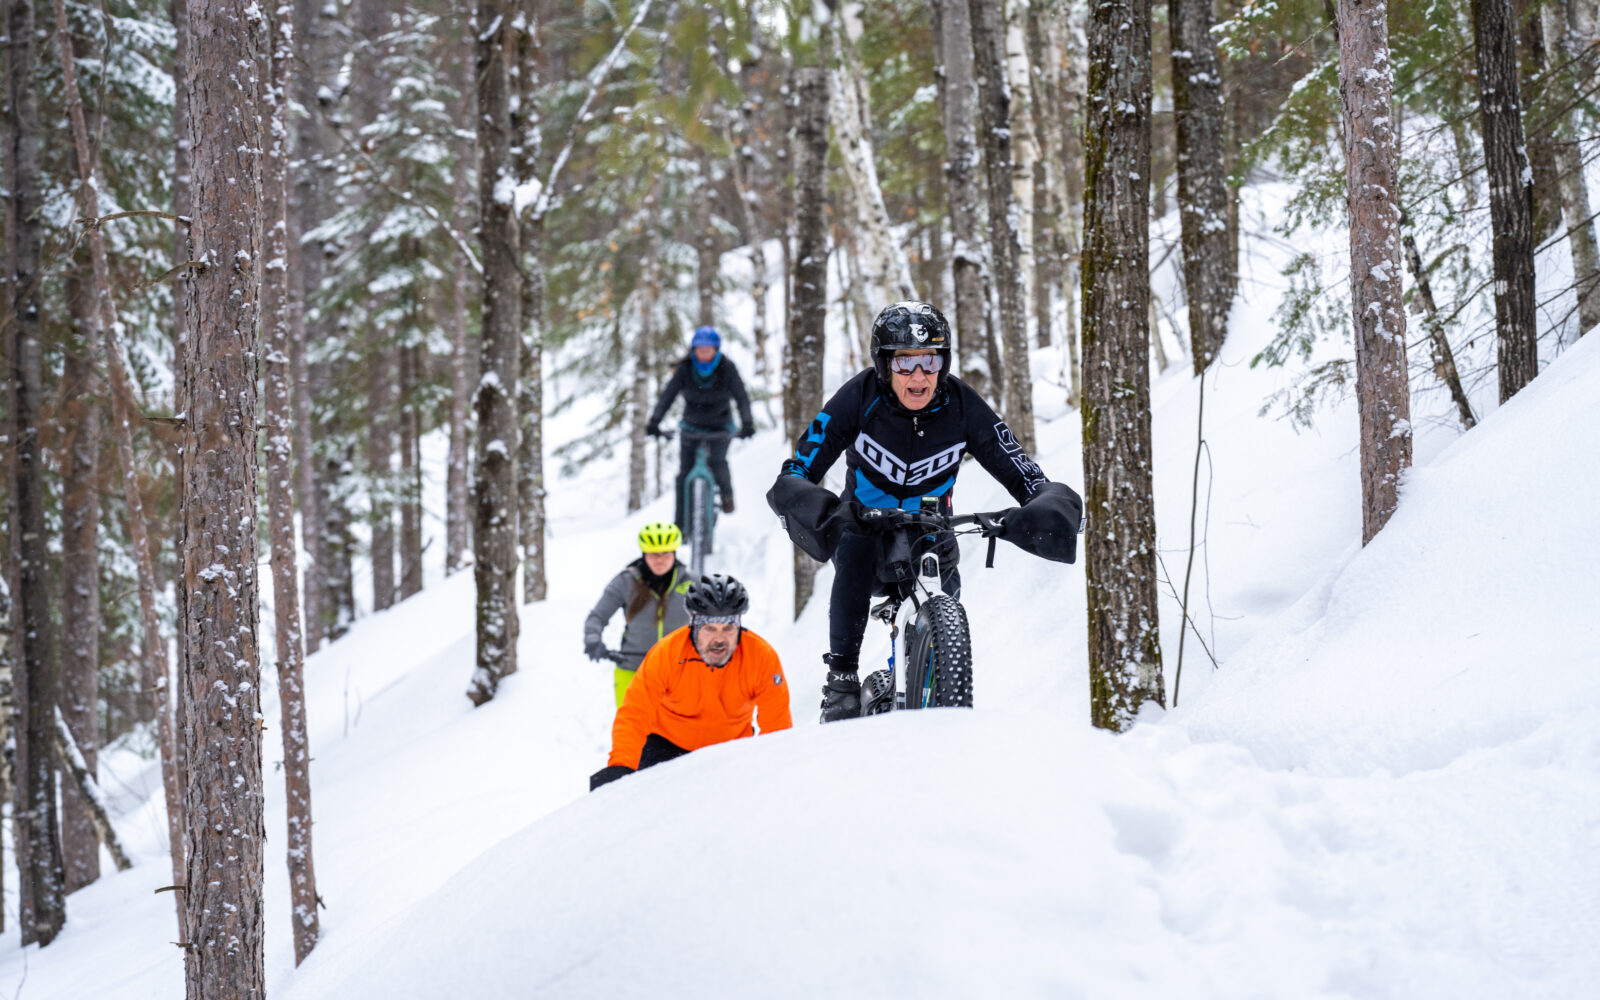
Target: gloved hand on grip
[
  {"x": 747, "y": 431},
  {"x": 594, "y": 650},
  {"x": 1047, "y": 525},
  {"x": 653, "y": 428}
]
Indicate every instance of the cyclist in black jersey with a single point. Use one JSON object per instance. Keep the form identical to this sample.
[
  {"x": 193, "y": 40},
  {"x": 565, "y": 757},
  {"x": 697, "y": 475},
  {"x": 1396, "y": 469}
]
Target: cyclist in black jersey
[{"x": 903, "y": 425}]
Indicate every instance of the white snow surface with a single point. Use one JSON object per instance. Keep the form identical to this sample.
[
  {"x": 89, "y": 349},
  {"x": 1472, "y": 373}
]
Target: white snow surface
[{"x": 1389, "y": 788}]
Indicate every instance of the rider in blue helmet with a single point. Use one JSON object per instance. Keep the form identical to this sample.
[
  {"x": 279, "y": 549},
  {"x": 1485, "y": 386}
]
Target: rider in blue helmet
[{"x": 710, "y": 384}]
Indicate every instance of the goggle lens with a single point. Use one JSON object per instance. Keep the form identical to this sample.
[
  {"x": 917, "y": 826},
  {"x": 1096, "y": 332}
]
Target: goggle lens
[{"x": 905, "y": 364}]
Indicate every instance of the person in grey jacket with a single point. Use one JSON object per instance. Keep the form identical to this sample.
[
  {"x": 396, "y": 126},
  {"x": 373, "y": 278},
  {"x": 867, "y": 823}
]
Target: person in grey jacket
[{"x": 649, "y": 591}]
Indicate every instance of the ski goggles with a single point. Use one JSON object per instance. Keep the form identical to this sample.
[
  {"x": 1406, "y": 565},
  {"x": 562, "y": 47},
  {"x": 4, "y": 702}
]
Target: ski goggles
[{"x": 905, "y": 364}]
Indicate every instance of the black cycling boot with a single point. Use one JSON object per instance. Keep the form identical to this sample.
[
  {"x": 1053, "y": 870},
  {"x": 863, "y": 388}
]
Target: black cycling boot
[{"x": 841, "y": 695}]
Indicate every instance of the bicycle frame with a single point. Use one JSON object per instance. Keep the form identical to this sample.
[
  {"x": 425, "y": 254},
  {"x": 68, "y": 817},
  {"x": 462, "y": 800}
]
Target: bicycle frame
[
  {"x": 702, "y": 515},
  {"x": 898, "y": 612}
]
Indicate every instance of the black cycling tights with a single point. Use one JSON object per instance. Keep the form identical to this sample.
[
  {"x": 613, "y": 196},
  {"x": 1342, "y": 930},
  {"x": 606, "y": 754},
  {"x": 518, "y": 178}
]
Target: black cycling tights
[{"x": 855, "y": 565}]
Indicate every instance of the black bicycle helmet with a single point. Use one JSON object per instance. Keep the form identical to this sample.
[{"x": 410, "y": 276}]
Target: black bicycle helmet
[
  {"x": 909, "y": 326},
  {"x": 717, "y": 596}
]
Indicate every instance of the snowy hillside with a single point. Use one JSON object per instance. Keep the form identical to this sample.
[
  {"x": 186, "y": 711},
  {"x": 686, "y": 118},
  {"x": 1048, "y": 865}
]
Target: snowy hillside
[{"x": 1390, "y": 788}]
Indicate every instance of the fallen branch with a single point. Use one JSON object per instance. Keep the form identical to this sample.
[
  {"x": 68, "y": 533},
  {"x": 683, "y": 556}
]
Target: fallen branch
[{"x": 67, "y": 748}]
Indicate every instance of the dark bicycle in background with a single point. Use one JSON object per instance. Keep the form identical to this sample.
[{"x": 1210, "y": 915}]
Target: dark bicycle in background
[{"x": 699, "y": 501}]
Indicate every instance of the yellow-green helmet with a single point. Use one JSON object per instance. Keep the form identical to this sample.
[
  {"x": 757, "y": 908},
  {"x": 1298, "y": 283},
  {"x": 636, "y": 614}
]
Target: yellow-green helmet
[{"x": 660, "y": 536}]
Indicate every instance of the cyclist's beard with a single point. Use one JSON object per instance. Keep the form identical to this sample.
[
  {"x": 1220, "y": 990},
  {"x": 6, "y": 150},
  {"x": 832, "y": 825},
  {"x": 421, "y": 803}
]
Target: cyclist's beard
[{"x": 716, "y": 652}]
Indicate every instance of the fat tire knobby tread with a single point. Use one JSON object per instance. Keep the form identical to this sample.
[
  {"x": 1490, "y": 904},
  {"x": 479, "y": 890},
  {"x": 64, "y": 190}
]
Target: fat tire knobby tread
[
  {"x": 699, "y": 527},
  {"x": 942, "y": 623}
]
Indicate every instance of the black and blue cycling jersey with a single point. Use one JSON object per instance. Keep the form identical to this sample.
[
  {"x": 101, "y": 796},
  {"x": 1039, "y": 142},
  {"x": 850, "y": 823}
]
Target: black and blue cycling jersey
[{"x": 895, "y": 456}]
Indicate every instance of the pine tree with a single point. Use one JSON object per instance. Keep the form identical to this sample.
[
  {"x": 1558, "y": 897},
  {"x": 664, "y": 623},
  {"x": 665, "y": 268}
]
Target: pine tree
[{"x": 220, "y": 673}]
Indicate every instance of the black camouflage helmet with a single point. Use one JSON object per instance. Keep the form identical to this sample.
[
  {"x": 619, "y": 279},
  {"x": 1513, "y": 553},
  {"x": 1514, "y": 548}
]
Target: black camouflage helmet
[
  {"x": 717, "y": 596},
  {"x": 909, "y": 326}
]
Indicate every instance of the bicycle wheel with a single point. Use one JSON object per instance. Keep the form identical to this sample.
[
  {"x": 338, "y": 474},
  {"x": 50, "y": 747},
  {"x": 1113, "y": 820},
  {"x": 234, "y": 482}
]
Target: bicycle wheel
[
  {"x": 699, "y": 528},
  {"x": 939, "y": 656}
]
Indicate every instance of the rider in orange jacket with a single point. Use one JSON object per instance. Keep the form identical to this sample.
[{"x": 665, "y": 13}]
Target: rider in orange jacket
[{"x": 702, "y": 684}]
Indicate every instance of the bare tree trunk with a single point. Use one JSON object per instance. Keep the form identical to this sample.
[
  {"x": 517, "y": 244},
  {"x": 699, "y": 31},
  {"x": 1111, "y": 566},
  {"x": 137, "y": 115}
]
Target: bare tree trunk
[
  {"x": 88, "y": 792},
  {"x": 807, "y": 333},
  {"x": 495, "y": 498},
  {"x": 1444, "y": 360},
  {"x": 305, "y": 275},
  {"x": 409, "y": 489},
  {"x": 277, "y": 320},
  {"x": 639, "y": 396},
  {"x": 743, "y": 165},
  {"x": 708, "y": 260},
  {"x": 988, "y": 43},
  {"x": 880, "y": 262},
  {"x": 1531, "y": 58},
  {"x": 457, "y": 524},
  {"x": 1074, "y": 81},
  {"x": 9, "y": 641},
  {"x": 1047, "y": 207},
  {"x": 1510, "y": 194},
  {"x": 160, "y": 686},
  {"x": 380, "y": 456},
  {"x": 338, "y": 547},
  {"x": 220, "y": 671},
  {"x": 80, "y": 581},
  {"x": 961, "y": 176},
  {"x": 1383, "y": 395},
  {"x": 1124, "y": 638},
  {"x": 1025, "y": 146},
  {"x": 42, "y": 906},
  {"x": 1571, "y": 60},
  {"x": 530, "y": 389},
  {"x": 1202, "y": 185}
]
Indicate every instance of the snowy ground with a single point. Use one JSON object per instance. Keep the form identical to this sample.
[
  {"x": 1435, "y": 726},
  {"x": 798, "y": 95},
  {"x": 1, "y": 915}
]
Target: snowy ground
[{"x": 1390, "y": 788}]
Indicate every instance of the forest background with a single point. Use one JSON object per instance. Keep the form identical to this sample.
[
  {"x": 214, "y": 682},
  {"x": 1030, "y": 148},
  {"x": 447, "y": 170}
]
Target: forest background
[{"x": 442, "y": 207}]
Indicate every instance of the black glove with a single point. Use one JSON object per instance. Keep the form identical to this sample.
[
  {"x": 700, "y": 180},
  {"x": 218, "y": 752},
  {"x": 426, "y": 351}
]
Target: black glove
[
  {"x": 748, "y": 430},
  {"x": 594, "y": 650},
  {"x": 653, "y": 428},
  {"x": 1047, "y": 525},
  {"x": 608, "y": 774}
]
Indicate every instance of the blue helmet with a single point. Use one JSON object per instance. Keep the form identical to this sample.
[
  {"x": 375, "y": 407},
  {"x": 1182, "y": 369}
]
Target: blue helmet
[{"x": 706, "y": 336}]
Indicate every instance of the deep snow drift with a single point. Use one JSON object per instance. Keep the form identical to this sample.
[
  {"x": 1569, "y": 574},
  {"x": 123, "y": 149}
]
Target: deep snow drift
[{"x": 1390, "y": 788}]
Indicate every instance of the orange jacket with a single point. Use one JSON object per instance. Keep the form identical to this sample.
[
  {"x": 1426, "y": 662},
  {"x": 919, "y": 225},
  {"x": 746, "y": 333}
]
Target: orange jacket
[{"x": 676, "y": 695}]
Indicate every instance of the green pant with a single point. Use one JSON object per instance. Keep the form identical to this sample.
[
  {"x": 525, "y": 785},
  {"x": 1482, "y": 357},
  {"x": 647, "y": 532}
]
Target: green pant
[{"x": 621, "y": 679}]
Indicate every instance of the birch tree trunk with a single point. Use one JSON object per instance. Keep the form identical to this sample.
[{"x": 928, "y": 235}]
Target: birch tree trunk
[
  {"x": 1383, "y": 396},
  {"x": 881, "y": 264},
  {"x": 80, "y": 581},
  {"x": 1444, "y": 361},
  {"x": 755, "y": 233},
  {"x": 1025, "y": 147},
  {"x": 495, "y": 490},
  {"x": 220, "y": 671},
  {"x": 988, "y": 44},
  {"x": 1510, "y": 194},
  {"x": 42, "y": 906},
  {"x": 1047, "y": 207},
  {"x": 961, "y": 178},
  {"x": 1569, "y": 59},
  {"x": 1124, "y": 637},
  {"x": 802, "y": 384},
  {"x": 1202, "y": 185},
  {"x": 1074, "y": 81},
  {"x": 639, "y": 395}
]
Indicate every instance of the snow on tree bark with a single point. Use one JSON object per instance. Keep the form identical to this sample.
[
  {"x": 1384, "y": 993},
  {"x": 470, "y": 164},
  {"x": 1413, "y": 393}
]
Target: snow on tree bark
[
  {"x": 1510, "y": 194},
  {"x": 954, "y": 37},
  {"x": 802, "y": 382},
  {"x": 1444, "y": 361},
  {"x": 1366, "y": 86},
  {"x": 1048, "y": 207},
  {"x": 278, "y": 320},
  {"x": 42, "y": 907},
  {"x": 1124, "y": 638},
  {"x": 1005, "y": 245},
  {"x": 1537, "y": 121},
  {"x": 1025, "y": 146},
  {"x": 495, "y": 499},
  {"x": 220, "y": 673},
  {"x": 1202, "y": 185}
]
